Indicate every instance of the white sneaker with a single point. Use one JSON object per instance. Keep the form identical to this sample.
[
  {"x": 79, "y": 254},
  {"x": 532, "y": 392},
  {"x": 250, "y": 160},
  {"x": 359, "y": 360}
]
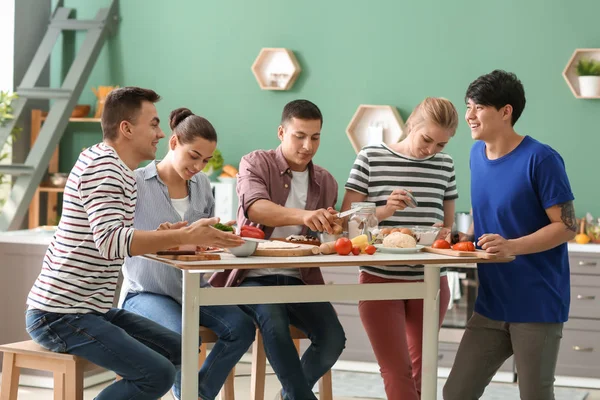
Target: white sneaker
[{"x": 173, "y": 394}]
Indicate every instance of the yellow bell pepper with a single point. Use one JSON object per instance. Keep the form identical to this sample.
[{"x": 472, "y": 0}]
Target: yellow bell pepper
[{"x": 361, "y": 241}]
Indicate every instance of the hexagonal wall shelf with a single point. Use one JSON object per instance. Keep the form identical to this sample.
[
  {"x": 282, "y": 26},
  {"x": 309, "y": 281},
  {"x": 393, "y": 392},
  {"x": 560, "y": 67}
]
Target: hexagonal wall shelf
[
  {"x": 375, "y": 124},
  {"x": 276, "y": 69},
  {"x": 570, "y": 72}
]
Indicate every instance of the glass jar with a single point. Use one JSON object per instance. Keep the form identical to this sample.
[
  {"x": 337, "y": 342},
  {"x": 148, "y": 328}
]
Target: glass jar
[{"x": 363, "y": 221}]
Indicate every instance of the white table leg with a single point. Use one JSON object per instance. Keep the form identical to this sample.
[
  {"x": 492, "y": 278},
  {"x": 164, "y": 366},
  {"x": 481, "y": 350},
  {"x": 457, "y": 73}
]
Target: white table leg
[
  {"x": 431, "y": 305},
  {"x": 190, "y": 318}
]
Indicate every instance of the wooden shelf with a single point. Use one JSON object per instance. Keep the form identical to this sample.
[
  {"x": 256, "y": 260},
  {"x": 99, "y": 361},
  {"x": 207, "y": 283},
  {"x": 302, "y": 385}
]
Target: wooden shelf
[
  {"x": 276, "y": 69},
  {"x": 52, "y": 192},
  {"x": 51, "y": 189},
  {"x": 570, "y": 72},
  {"x": 77, "y": 119},
  {"x": 384, "y": 116}
]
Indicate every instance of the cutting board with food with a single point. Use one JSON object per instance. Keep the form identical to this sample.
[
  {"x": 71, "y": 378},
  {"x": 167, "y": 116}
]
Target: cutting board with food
[
  {"x": 460, "y": 253},
  {"x": 285, "y": 249},
  {"x": 299, "y": 239},
  {"x": 190, "y": 253}
]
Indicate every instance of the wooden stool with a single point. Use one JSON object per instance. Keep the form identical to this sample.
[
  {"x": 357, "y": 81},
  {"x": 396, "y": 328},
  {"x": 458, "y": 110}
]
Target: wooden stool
[
  {"x": 259, "y": 368},
  {"x": 67, "y": 369},
  {"x": 208, "y": 336}
]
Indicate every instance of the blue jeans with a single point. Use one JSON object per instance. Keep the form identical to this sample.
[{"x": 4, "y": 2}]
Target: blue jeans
[
  {"x": 145, "y": 354},
  {"x": 317, "y": 320},
  {"x": 235, "y": 329}
]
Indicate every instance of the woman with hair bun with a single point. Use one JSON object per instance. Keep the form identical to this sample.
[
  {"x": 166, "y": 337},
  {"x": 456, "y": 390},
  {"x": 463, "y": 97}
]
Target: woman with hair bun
[{"x": 175, "y": 190}]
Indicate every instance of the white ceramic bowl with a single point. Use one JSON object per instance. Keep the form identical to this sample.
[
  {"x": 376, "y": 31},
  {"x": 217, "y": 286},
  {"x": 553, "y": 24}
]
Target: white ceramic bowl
[
  {"x": 245, "y": 250},
  {"x": 426, "y": 235}
]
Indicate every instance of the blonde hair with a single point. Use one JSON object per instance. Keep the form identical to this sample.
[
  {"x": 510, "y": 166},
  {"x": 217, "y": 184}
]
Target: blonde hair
[{"x": 438, "y": 110}]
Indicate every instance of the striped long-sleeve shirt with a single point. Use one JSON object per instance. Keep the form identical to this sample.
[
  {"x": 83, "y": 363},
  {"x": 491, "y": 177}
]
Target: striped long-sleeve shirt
[
  {"x": 378, "y": 170},
  {"x": 81, "y": 266}
]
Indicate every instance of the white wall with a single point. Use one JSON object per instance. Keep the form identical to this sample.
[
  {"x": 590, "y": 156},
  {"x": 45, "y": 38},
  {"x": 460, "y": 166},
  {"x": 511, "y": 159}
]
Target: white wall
[{"x": 7, "y": 33}]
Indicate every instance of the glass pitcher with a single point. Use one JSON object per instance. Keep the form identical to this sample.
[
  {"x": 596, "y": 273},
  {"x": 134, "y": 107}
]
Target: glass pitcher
[{"x": 363, "y": 221}]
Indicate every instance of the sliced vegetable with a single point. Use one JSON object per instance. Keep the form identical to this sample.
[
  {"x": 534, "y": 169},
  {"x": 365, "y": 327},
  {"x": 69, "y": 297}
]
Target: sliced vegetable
[
  {"x": 252, "y": 234},
  {"x": 223, "y": 227},
  {"x": 464, "y": 246}
]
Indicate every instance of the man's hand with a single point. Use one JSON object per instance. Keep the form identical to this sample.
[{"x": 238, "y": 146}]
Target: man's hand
[
  {"x": 320, "y": 220},
  {"x": 201, "y": 233},
  {"x": 496, "y": 244}
]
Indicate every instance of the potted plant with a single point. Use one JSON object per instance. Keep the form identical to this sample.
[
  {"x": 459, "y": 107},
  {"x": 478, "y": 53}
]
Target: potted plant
[
  {"x": 214, "y": 164},
  {"x": 589, "y": 77},
  {"x": 6, "y": 110}
]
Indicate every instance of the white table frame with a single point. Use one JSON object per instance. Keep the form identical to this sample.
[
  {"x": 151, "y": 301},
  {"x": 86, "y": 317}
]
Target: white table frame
[{"x": 194, "y": 297}]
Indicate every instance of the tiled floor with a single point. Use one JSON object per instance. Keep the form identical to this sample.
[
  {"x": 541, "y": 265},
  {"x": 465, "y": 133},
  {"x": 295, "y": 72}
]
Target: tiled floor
[{"x": 242, "y": 389}]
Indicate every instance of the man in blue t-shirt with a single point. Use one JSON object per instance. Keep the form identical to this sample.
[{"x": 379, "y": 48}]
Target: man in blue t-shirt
[{"x": 522, "y": 206}]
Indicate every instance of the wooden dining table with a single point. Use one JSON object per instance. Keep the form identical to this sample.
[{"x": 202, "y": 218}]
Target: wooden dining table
[{"x": 195, "y": 297}]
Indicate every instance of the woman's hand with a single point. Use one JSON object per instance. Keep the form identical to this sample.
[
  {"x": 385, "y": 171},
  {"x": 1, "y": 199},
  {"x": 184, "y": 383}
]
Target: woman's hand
[
  {"x": 201, "y": 233},
  {"x": 168, "y": 225}
]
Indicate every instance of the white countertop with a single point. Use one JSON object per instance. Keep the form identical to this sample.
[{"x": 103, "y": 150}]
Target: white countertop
[
  {"x": 43, "y": 236},
  {"x": 38, "y": 236},
  {"x": 584, "y": 248}
]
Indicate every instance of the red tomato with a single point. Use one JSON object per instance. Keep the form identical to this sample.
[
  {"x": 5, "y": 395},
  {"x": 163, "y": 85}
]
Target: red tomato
[
  {"x": 343, "y": 246},
  {"x": 464, "y": 246},
  {"x": 251, "y": 231},
  {"x": 250, "y": 228},
  {"x": 355, "y": 250},
  {"x": 440, "y": 244},
  {"x": 252, "y": 234},
  {"x": 370, "y": 249}
]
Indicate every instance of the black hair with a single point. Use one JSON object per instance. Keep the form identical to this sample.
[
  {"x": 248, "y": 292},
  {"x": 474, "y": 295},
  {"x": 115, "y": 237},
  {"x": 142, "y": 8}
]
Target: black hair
[{"x": 497, "y": 89}]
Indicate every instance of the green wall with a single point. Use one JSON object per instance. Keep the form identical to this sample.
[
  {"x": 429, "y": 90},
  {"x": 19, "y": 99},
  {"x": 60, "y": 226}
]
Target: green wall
[{"x": 198, "y": 54}]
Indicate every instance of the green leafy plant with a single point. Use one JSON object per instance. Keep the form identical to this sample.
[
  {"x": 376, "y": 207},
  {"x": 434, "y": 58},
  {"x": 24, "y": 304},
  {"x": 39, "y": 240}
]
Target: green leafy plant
[
  {"x": 588, "y": 67},
  {"x": 215, "y": 163},
  {"x": 6, "y": 110}
]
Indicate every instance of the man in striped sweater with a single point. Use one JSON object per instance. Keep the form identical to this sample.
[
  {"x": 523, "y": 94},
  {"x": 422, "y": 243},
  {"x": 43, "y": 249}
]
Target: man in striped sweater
[{"x": 70, "y": 304}]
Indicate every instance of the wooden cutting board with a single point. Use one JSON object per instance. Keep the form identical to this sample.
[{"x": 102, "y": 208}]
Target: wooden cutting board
[
  {"x": 299, "y": 251},
  {"x": 188, "y": 257},
  {"x": 457, "y": 253}
]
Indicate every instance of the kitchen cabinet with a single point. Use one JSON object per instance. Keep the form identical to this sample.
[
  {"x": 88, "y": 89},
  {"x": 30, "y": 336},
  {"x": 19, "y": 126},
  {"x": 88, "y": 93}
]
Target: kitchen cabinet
[{"x": 579, "y": 354}]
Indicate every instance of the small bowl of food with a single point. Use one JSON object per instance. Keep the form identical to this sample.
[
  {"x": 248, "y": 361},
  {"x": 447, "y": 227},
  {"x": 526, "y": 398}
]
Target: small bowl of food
[
  {"x": 425, "y": 235},
  {"x": 245, "y": 250},
  {"x": 58, "y": 179}
]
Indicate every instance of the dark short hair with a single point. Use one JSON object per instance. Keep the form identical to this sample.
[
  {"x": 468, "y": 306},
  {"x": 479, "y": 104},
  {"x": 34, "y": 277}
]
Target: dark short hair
[
  {"x": 301, "y": 109},
  {"x": 188, "y": 126},
  {"x": 123, "y": 104},
  {"x": 497, "y": 89}
]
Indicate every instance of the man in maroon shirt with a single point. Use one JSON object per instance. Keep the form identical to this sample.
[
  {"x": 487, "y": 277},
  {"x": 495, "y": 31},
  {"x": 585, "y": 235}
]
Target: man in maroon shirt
[{"x": 284, "y": 193}]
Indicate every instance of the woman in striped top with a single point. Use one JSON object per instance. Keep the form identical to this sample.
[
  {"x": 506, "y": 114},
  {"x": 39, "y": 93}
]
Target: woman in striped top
[
  {"x": 382, "y": 174},
  {"x": 175, "y": 190},
  {"x": 70, "y": 304}
]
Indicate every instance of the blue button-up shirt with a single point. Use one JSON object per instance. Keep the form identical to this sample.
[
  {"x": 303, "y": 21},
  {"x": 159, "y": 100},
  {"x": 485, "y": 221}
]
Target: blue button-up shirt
[{"x": 152, "y": 209}]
